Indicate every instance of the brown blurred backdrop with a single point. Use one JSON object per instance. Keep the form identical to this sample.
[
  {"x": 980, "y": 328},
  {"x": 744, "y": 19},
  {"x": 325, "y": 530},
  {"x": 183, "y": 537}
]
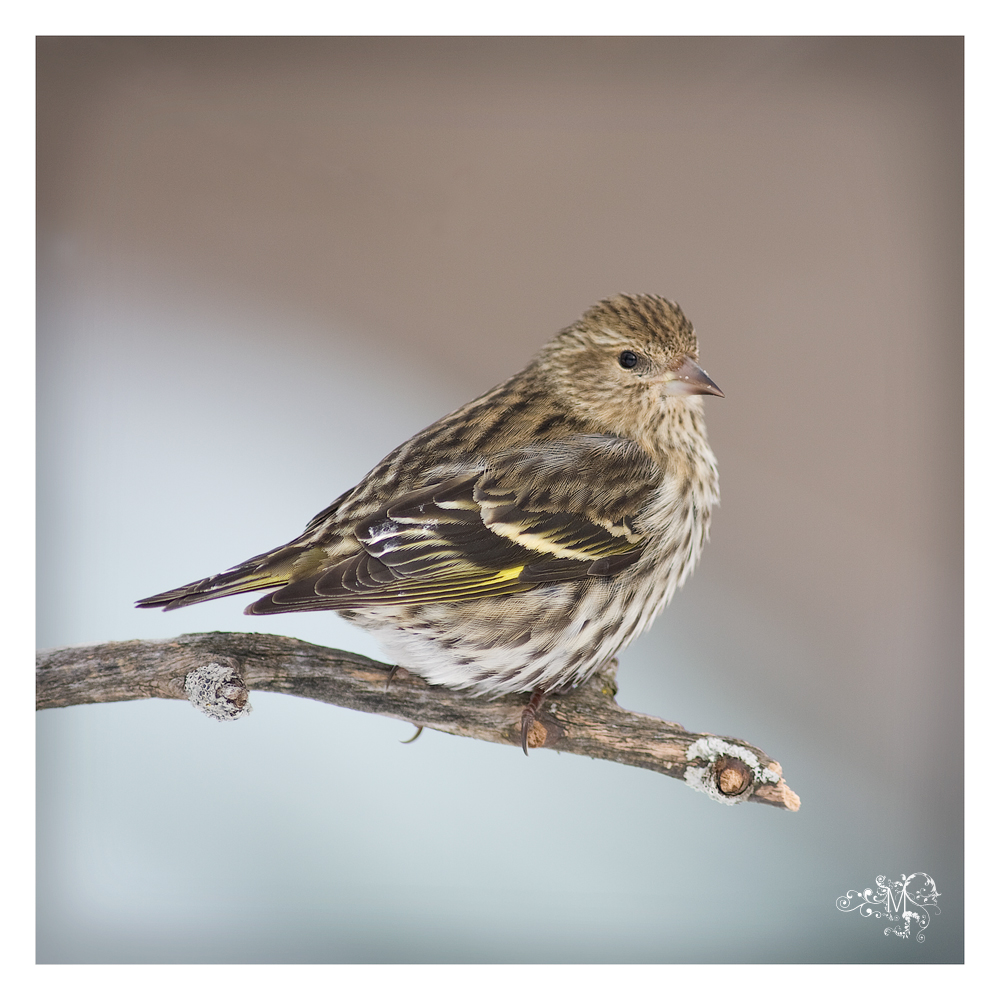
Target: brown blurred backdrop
[{"x": 443, "y": 206}]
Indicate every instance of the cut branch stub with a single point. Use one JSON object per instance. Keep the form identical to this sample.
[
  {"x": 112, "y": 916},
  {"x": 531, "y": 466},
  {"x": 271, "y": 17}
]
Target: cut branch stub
[
  {"x": 732, "y": 776},
  {"x": 219, "y": 690}
]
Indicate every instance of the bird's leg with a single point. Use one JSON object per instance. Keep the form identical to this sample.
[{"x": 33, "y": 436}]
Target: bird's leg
[{"x": 528, "y": 716}]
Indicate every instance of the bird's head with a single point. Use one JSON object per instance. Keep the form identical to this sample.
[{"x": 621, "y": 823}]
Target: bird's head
[{"x": 625, "y": 361}]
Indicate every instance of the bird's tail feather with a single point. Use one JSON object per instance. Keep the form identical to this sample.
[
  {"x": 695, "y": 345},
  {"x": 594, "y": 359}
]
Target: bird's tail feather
[{"x": 272, "y": 569}]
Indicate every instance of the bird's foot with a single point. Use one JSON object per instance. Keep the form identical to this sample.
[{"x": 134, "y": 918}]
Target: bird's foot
[{"x": 528, "y": 716}]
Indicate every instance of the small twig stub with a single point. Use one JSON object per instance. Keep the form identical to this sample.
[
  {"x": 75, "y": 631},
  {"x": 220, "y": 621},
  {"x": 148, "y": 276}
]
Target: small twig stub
[{"x": 219, "y": 691}]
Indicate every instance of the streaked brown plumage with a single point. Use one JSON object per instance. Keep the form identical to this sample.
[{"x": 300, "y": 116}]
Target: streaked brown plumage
[{"x": 521, "y": 541}]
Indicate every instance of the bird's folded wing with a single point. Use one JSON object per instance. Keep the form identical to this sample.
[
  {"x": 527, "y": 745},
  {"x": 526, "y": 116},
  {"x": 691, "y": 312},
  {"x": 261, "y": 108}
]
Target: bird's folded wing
[{"x": 556, "y": 510}]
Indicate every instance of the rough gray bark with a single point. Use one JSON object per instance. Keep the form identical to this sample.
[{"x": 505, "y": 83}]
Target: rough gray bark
[{"x": 216, "y": 671}]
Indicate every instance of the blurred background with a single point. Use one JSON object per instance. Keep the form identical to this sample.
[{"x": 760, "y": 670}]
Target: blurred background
[{"x": 264, "y": 262}]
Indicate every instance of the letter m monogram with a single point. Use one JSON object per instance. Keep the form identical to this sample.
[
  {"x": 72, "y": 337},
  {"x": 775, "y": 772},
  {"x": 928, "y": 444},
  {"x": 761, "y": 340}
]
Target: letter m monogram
[{"x": 894, "y": 905}]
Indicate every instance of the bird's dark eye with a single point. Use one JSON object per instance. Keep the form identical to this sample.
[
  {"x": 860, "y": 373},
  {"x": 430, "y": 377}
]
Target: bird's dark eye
[{"x": 627, "y": 359}]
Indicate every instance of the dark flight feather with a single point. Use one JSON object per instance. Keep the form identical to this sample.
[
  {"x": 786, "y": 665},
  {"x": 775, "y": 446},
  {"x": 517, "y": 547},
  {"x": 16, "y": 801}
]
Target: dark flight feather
[{"x": 479, "y": 535}]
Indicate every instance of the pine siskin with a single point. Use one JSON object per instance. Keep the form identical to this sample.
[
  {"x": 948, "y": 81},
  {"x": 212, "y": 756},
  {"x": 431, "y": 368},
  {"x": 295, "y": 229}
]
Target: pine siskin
[{"x": 520, "y": 542}]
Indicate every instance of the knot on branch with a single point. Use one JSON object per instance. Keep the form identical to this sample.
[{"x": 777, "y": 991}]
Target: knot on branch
[
  {"x": 218, "y": 689},
  {"x": 544, "y": 732},
  {"x": 730, "y": 773}
]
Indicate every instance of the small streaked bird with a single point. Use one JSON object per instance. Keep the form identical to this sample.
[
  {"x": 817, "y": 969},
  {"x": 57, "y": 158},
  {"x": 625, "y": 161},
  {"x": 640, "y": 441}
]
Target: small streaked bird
[{"x": 520, "y": 542}]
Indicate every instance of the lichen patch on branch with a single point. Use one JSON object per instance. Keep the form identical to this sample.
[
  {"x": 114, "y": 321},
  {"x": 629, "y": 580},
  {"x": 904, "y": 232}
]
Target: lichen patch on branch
[{"x": 219, "y": 691}]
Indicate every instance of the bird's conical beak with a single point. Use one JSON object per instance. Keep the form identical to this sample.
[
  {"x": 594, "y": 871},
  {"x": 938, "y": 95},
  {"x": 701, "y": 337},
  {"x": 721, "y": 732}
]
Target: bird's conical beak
[{"x": 689, "y": 379}]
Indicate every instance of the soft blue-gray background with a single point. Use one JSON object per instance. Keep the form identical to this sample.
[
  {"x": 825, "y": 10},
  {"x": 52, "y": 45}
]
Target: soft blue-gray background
[{"x": 265, "y": 262}]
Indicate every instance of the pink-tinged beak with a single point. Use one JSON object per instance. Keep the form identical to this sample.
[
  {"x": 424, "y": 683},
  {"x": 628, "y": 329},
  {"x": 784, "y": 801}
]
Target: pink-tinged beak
[{"x": 688, "y": 379}]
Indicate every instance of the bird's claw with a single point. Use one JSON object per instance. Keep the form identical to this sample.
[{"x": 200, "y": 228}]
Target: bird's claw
[{"x": 528, "y": 716}]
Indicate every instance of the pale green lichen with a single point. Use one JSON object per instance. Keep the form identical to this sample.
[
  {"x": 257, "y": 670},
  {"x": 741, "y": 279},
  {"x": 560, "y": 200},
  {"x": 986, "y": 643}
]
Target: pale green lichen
[
  {"x": 710, "y": 749},
  {"x": 218, "y": 691}
]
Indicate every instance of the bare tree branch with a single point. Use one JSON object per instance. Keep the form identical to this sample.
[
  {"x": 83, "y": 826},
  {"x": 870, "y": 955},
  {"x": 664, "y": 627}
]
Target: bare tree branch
[{"x": 216, "y": 671}]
